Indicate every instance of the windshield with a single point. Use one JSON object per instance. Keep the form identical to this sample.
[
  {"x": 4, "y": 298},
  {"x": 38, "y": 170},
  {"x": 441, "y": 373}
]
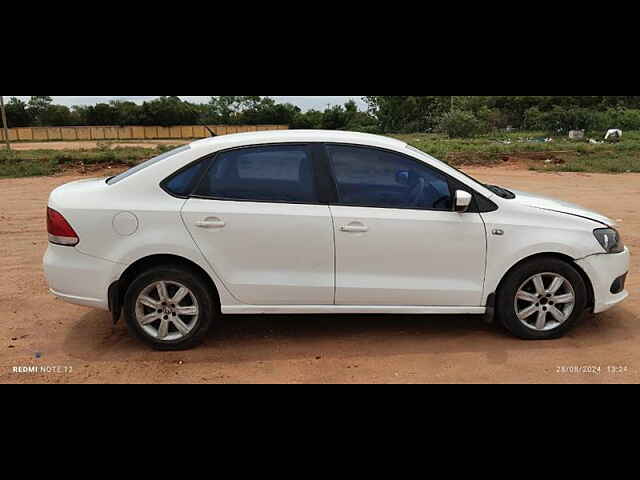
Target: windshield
[{"x": 146, "y": 164}]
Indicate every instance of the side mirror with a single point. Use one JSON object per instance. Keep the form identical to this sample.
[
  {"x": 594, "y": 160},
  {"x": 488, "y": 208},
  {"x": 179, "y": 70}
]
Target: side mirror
[
  {"x": 462, "y": 201},
  {"x": 402, "y": 177}
]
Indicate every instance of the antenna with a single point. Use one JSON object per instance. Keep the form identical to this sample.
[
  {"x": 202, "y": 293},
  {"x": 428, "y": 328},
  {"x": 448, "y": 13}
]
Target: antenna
[{"x": 211, "y": 132}]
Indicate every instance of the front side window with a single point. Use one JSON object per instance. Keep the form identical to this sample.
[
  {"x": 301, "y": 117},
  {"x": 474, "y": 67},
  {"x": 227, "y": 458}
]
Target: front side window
[
  {"x": 377, "y": 178},
  {"x": 282, "y": 173}
]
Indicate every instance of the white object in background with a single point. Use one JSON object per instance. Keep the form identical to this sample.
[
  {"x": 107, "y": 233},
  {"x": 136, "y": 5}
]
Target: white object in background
[
  {"x": 576, "y": 134},
  {"x": 614, "y": 132}
]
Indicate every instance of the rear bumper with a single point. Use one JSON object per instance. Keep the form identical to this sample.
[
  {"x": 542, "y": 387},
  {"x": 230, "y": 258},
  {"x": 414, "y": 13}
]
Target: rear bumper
[
  {"x": 78, "y": 278},
  {"x": 604, "y": 270}
]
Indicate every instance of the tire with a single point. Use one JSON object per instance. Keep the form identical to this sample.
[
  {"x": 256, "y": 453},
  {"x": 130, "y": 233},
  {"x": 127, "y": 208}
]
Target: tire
[
  {"x": 560, "y": 314},
  {"x": 185, "y": 322}
]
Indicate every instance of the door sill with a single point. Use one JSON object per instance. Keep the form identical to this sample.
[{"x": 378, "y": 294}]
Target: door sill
[{"x": 348, "y": 309}]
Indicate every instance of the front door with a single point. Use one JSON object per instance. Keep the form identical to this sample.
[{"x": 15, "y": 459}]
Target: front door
[{"x": 398, "y": 242}]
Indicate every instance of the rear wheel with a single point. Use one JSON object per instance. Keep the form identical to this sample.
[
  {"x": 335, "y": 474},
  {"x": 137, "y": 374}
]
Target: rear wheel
[
  {"x": 542, "y": 299},
  {"x": 169, "y": 308}
]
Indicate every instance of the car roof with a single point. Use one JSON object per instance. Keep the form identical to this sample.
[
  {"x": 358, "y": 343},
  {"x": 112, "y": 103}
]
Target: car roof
[{"x": 282, "y": 136}]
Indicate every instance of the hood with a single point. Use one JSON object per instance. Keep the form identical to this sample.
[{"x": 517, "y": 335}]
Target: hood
[{"x": 548, "y": 203}]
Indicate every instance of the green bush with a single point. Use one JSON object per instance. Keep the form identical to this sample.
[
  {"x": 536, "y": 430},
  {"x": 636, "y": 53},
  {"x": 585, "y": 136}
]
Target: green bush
[
  {"x": 491, "y": 119},
  {"x": 307, "y": 121},
  {"x": 534, "y": 119},
  {"x": 459, "y": 124},
  {"x": 561, "y": 120},
  {"x": 374, "y": 129},
  {"x": 624, "y": 119}
]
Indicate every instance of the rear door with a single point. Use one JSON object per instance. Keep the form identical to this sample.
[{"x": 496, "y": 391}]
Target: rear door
[
  {"x": 398, "y": 240},
  {"x": 257, "y": 218}
]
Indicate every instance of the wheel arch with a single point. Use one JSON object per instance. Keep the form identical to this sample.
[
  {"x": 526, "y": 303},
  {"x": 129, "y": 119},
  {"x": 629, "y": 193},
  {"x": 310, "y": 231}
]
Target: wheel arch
[
  {"x": 560, "y": 256},
  {"x": 118, "y": 289}
]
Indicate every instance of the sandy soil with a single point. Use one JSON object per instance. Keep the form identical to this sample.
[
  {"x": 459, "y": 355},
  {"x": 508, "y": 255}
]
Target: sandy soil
[
  {"x": 312, "y": 349},
  {"x": 91, "y": 145}
]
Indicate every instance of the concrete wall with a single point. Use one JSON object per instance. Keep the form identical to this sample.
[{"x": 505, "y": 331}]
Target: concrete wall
[{"x": 45, "y": 134}]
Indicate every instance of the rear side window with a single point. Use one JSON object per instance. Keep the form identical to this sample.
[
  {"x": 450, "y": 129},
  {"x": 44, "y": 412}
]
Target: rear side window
[
  {"x": 148, "y": 163},
  {"x": 182, "y": 183},
  {"x": 370, "y": 177},
  {"x": 282, "y": 173}
]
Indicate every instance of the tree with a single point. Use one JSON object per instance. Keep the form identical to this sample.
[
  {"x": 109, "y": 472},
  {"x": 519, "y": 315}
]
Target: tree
[
  {"x": 270, "y": 112},
  {"x": 18, "y": 114},
  {"x": 56, "y": 116},
  {"x": 459, "y": 124},
  {"x": 223, "y": 109},
  {"x": 102, "y": 114},
  {"x": 351, "y": 107},
  {"x": 335, "y": 118},
  {"x": 310, "y": 120},
  {"x": 168, "y": 111},
  {"x": 384, "y": 114},
  {"x": 408, "y": 113},
  {"x": 37, "y": 106},
  {"x": 128, "y": 113}
]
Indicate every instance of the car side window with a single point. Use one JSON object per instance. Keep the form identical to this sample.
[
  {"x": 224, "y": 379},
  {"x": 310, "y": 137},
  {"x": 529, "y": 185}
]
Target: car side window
[
  {"x": 181, "y": 184},
  {"x": 370, "y": 177},
  {"x": 276, "y": 173}
]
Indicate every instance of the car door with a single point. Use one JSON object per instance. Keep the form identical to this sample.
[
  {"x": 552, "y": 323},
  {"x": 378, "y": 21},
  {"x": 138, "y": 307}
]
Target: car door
[
  {"x": 398, "y": 240},
  {"x": 257, "y": 219}
]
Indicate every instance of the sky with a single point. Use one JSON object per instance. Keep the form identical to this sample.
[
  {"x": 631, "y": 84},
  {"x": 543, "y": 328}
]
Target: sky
[{"x": 305, "y": 103}]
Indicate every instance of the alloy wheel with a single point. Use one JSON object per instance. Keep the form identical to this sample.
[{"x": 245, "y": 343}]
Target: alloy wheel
[
  {"x": 167, "y": 311},
  {"x": 545, "y": 301}
]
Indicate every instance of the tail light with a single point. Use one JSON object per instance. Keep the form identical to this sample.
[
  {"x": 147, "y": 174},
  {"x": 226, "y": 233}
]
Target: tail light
[{"x": 60, "y": 232}]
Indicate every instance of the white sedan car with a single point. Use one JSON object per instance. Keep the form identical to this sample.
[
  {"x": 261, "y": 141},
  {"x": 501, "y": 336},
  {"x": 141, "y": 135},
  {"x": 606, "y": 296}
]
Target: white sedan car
[{"x": 295, "y": 222}]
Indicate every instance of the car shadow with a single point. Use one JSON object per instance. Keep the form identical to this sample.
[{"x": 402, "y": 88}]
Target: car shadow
[{"x": 263, "y": 338}]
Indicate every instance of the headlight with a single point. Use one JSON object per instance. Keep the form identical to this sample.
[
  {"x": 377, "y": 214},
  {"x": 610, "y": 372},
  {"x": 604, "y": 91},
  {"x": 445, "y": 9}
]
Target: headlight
[{"x": 610, "y": 240}]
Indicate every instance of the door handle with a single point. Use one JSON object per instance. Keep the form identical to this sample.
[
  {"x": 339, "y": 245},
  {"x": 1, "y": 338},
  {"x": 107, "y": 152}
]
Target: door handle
[
  {"x": 355, "y": 227},
  {"x": 211, "y": 223}
]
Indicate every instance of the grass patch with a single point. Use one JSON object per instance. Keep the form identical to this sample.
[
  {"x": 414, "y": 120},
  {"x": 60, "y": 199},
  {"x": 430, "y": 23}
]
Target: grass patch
[
  {"x": 566, "y": 155},
  {"x": 10, "y": 168},
  {"x": 593, "y": 162},
  {"x": 560, "y": 155},
  {"x": 30, "y": 163}
]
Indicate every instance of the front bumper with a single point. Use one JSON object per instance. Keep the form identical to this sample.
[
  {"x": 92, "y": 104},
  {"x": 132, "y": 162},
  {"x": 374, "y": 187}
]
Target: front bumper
[
  {"x": 78, "y": 278},
  {"x": 604, "y": 270}
]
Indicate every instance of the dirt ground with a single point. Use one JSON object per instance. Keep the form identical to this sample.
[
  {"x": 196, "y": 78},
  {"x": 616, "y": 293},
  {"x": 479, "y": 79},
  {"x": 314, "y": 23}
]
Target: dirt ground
[{"x": 79, "y": 345}]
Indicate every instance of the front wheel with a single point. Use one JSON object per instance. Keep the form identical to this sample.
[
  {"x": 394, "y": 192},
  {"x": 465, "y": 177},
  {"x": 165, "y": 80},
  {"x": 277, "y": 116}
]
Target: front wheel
[
  {"x": 169, "y": 308},
  {"x": 542, "y": 299}
]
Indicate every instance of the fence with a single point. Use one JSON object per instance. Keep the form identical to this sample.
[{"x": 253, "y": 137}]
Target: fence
[{"x": 69, "y": 134}]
